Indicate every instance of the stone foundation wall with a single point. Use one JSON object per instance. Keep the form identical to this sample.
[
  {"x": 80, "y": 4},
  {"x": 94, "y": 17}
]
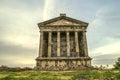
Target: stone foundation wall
[{"x": 62, "y": 64}]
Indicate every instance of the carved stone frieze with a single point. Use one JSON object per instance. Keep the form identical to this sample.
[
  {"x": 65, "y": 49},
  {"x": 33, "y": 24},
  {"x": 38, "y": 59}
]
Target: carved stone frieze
[{"x": 62, "y": 28}]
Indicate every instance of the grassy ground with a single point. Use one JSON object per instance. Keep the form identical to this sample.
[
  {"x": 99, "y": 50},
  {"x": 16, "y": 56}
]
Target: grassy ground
[{"x": 59, "y": 75}]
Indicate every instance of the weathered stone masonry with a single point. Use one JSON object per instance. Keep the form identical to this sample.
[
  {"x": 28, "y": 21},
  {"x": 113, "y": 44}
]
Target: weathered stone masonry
[{"x": 63, "y": 44}]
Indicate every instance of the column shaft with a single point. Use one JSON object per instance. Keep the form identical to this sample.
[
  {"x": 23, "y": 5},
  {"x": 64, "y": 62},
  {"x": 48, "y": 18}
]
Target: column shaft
[
  {"x": 76, "y": 43},
  {"x": 85, "y": 44},
  {"x": 68, "y": 43},
  {"x": 49, "y": 43},
  {"x": 58, "y": 44},
  {"x": 41, "y": 44}
]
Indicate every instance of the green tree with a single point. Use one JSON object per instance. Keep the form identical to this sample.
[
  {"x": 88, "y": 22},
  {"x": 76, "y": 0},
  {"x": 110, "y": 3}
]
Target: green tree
[{"x": 117, "y": 64}]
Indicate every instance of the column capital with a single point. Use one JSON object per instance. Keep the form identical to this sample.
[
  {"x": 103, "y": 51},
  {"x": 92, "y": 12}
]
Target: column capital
[
  {"x": 41, "y": 31},
  {"x": 76, "y": 31},
  {"x": 84, "y": 31},
  {"x": 67, "y": 33}
]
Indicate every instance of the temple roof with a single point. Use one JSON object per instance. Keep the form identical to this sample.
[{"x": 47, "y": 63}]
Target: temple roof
[{"x": 63, "y": 20}]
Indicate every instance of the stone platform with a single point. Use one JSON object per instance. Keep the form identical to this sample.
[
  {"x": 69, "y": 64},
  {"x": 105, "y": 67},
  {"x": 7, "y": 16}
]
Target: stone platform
[{"x": 63, "y": 63}]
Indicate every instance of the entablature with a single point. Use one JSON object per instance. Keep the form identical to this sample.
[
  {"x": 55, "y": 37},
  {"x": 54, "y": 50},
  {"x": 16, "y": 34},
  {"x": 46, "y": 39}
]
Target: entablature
[
  {"x": 62, "y": 28},
  {"x": 66, "y": 30}
]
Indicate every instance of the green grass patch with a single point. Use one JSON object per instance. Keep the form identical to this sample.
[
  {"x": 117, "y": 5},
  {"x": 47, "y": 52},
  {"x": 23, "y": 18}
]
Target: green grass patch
[{"x": 59, "y": 75}]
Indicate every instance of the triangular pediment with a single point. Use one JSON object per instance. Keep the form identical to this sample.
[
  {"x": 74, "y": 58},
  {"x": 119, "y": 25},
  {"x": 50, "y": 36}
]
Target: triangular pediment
[{"x": 62, "y": 20}]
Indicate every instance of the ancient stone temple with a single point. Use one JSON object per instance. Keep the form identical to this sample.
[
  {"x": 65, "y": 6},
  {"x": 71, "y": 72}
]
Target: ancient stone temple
[{"x": 63, "y": 44}]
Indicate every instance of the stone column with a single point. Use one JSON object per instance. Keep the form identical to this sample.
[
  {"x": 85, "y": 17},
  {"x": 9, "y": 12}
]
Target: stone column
[
  {"x": 85, "y": 48},
  {"x": 41, "y": 44},
  {"x": 68, "y": 43},
  {"x": 49, "y": 43},
  {"x": 76, "y": 43},
  {"x": 58, "y": 44}
]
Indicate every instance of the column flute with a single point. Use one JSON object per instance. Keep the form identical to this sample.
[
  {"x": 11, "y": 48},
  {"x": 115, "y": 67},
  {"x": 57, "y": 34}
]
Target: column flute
[
  {"x": 76, "y": 43},
  {"x": 68, "y": 43},
  {"x": 85, "y": 44},
  {"x": 49, "y": 43},
  {"x": 58, "y": 44},
  {"x": 41, "y": 44}
]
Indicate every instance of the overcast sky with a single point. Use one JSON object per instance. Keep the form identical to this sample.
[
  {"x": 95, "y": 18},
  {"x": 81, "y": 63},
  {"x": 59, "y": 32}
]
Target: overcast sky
[{"x": 19, "y": 33}]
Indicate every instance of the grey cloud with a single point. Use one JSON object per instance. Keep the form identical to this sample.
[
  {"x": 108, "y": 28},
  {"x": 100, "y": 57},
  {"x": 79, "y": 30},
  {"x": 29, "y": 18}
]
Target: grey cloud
[
  {"x": 10, "y": 54},
  {"x": 105, "y": 59},
  {"x": 11, "y": 49},
  {"x": 117, "y": 36},
  {"x": 105, "y": 25}
]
